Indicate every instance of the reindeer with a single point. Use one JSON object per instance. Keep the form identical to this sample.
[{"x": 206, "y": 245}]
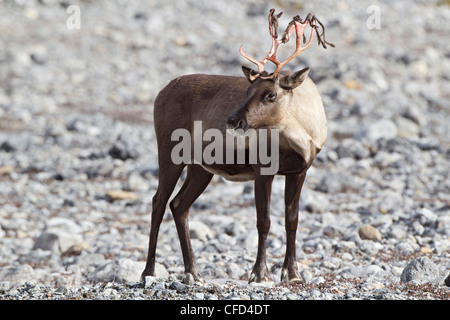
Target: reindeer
[{"x": 283, "y": 100}]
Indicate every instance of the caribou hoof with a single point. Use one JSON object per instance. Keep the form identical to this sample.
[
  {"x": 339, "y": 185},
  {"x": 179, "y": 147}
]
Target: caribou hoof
[
  {"x": 146, "y": 273},
  {"x": 287, "y": 276},
  {"x": 191, "y": 278},
  {"x": 260, "y": 276}
]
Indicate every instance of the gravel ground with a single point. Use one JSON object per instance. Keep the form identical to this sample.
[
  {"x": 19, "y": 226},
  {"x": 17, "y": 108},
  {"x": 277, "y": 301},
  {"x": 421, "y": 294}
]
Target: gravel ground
[{"x": 78, "y": 153}]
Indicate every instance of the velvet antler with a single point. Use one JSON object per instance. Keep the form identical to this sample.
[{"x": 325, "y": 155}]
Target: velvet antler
[{"x": 299, "y": 26}]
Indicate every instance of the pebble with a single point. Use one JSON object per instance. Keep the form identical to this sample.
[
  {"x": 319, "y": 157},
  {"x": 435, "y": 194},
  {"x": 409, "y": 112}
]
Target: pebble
[
  {"x": 447, "y": 280},
  {"x": 5, "y": 286},
  {"x": 407, "y": 128},
  {"x": 369, "y": 233},
  {"x": 199, "y": 230},
  {"x": 307, "y": 275},
  {"x": 120, "y": 195},
  {"x": 79, "y": 166},
  {"x": 317, "y": 280}
]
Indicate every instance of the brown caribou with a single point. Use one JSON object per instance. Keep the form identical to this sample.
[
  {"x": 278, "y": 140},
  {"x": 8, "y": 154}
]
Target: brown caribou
[{"x": 285, "y": 101}]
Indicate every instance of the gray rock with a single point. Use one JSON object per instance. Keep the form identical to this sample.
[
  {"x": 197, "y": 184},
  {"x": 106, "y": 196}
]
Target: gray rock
[
  {"x": 420, "y": 271},
  {"x": 4, "y": 286},
  {"x": 251, "y": 241},
  {"x": 58, "y": 242},
  {"x": 15, "y": 142},
  {"x": 55, "y": 130},
  {"x": 355, "y": 272},
  {"x": 178, "y": 286},
  {"x": 125, "y": 270},
  {"x": 188, "y": 279},
  {"x": 447, "y": 281},
  {"x": 407, "y": 128},
  {"x": 418, "y": 227},
  {"x": 105, "y": 273},
  {"x": 374, "y": 270},
  {"x": 425, "y": 216},
  {"x": 161, "y": 271},
  {"x": 199, "y": 230},
  {"x": 306, "y": 275},
  {"x": 90, "y": 259},
  {"x": 63, "y": 224},
  {"x": 385, "y": 159},
  {"x": 381, "y": 129},
  {"x": 149, "y": 281},
  {"x": 47, "y": 241},
  {"x": 17, "y": 274},
  {"x": 414, "y": 113},
  {"x": 370, "y": 247},
  {"x": 398, "y": 232},
  {"x": 406, "y": 247},
  {"x": 122, "y": 150},
  {"x": 390, "y": 200},
  {"x": 235, "y": 271},
  {"x": 332, "y": 264},
  {"x": 38, "y": 54},
  {"x": 137, "y": 182},
  {"x": 318, "y": 280},
  {"x": 347, "y": 256},
  {"x": 235, "y": 229},
  {"x": 419, "y": 69},
  {"x": 336, "y": 182},
  {"x": 199, "y": 295},
  {"x": 352, "y": 148},
  {"x": 312, "y": 201},
  {"x": 129, "y": 270}
]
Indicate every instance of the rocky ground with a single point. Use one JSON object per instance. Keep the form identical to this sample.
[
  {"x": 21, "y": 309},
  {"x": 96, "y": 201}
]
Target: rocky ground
[{"x": 78, "y": 154}]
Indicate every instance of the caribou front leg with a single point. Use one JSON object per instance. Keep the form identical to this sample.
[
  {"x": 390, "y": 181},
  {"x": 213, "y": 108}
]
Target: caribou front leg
[
  {"x": 263, "y": 188},
  {"x": 292, "y": 191}
]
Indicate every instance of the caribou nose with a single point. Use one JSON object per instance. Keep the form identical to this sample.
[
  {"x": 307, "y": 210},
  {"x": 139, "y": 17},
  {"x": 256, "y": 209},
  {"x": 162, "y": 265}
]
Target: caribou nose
[
  {"x": 235, "y": 123},
  {"x": 230, "y": 123}
]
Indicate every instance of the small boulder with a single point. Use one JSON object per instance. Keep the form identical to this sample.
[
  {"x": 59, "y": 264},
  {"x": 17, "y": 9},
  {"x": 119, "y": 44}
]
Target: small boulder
[{"x": 420, "y": 271}]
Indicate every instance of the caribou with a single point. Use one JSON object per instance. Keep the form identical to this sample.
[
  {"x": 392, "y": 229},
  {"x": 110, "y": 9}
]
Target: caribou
[{"x": 286, "y": 103}]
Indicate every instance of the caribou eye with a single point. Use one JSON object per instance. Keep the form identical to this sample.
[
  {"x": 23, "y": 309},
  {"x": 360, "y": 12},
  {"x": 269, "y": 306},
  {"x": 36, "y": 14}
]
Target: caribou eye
[{"x": 271, "y": 96}]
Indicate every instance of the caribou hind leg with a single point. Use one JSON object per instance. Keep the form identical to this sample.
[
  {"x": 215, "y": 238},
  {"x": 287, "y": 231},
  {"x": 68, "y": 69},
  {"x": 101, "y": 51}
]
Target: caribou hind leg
[{"x": 169, "y": 174}]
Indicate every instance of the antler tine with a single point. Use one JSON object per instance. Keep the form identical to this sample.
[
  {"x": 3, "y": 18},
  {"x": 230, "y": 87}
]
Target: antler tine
[
  {"x": 260, "y": 64},
  {"x": 273, "y": 22},
  {"x": 273, "y": 30},
  {"x": 321, "y": 37}
]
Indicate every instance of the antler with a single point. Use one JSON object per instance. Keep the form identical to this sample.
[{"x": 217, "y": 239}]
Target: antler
[
  {"x": 273, "y": 20},
  {"x": 296, "y": 24}
]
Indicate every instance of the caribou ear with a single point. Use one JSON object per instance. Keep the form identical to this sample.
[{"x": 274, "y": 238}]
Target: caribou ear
[
  {"x": 250, "y": 74},
  {"x": 294, "y": 79}
]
